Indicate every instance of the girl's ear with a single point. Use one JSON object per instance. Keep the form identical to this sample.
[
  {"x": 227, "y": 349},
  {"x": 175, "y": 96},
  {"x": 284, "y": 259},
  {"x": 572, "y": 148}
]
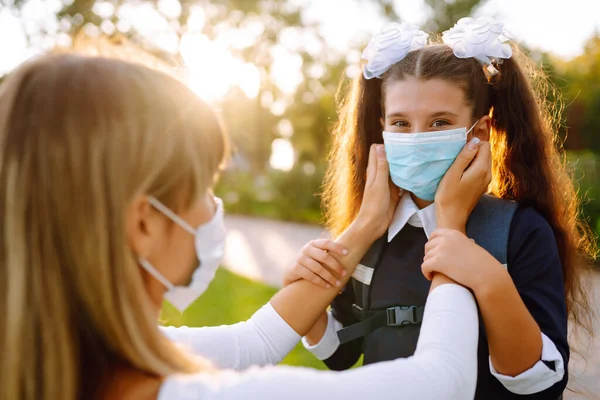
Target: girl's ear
[{"x": 482, "y": 129}]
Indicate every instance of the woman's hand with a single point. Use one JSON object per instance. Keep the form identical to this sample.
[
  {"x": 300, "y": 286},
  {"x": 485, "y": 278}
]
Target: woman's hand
[
  {"x": 315, "y": 264},
  {"x": 380, "y": 197},
  {"x": 453, "y": 254},
  {"x": 463, "y": 185}
]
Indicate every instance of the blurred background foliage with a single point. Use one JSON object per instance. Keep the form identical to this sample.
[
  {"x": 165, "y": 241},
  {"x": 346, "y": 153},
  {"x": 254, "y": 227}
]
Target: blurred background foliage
[{"x": 279, "y": 114}]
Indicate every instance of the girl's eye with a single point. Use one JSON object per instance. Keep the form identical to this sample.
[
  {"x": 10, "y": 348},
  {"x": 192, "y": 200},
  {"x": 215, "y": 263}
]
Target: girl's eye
[
  {"x": 401, "y": 124},
  {"x": 440, "y": 122}
]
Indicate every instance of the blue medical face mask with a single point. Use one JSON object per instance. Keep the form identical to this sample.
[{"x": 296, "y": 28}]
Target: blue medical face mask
[{"x": 419, "y": 161}]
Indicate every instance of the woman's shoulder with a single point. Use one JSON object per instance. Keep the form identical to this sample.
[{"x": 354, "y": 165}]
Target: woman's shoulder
[
  {"x": 130, "y": 384},
  {"x": 185, "y": 387}
]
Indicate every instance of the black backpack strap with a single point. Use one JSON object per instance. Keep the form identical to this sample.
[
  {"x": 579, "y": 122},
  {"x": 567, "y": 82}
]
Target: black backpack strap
[
  {"x": 489, "y": 225},
  {"x": 371, "y": 320},
  {"x": 362, "y": 288}
]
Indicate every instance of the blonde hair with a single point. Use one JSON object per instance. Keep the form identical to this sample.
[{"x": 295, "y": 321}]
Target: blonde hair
[{"x": 80, "y": 137}]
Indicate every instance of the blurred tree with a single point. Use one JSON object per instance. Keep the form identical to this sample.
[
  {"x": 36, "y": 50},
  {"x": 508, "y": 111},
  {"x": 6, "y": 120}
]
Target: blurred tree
[
  {"x": 301, "y": 114},
  {"x": 267, "y": 26},
  {"x": 580, "y": 78},
  {"x": 446, "y": 13}
]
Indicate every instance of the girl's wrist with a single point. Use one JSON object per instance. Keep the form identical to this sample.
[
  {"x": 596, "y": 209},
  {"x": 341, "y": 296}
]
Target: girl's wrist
[
  {"x": 364, "y": 230},
  {"x": 357, "y": 239},
  {"x": 491, "y": 283},
  {"x": 443, "y": 222},
  {"x": 367, "y": 228}
]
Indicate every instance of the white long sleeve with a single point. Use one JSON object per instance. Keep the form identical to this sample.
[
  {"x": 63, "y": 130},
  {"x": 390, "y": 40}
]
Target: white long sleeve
[
  {"x": 329, "y": 343},
  {"x": 444, "y": 366},
  {"x": 265, "y": 339},
  {"x": 537, "y": 378}
]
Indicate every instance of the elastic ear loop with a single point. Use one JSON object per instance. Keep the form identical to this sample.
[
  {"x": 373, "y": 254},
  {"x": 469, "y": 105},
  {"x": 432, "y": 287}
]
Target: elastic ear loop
[
  {"x": 154, "y": 272},
  {"x": 171, "y": 215},
  {"x": 179, "y": 221}
]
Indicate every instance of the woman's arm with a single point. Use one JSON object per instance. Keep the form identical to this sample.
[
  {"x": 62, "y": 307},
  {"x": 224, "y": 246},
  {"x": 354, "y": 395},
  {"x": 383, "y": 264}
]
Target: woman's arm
[
  {"x": 264, "y": 339},
  {"x": 302, "y": 303},
  {"x": 514, "y": 337},
  {"x": 273, "y": 331},
  {"x": 444, "y": 366},
  {"x": 528, "y": 295},
  {"x": 327, "y": 346},
  {"x": 451, "y": 253}
]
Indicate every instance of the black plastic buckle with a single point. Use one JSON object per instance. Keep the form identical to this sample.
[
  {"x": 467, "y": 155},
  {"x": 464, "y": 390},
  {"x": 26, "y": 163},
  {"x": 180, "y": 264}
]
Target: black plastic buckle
[{"x": 402, "y": 315}]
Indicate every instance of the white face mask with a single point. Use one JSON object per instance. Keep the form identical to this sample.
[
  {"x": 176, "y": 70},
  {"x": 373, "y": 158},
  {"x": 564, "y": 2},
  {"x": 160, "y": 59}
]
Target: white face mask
[{"x": 210, "y": 246}]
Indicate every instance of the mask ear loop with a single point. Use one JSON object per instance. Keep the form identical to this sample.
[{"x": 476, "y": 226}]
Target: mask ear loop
[
  {"x": 474, "y": 125},
  {"x": 171, "y": 215},
  {"x": 179, "y": 221},
  {"x": 154, "y": 272}
]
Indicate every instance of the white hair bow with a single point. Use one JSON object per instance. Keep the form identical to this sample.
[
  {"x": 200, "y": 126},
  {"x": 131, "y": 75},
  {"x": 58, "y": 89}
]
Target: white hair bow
[
  {"x": 391, "y": 45},
  {"x": 483, "y": 39}
]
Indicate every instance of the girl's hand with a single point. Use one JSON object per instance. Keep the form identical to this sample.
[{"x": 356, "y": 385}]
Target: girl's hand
[
  {"x": 380, "y": 197},
  {"x": 451, "y": 253},
  {"x": 316, "y": 264},
  {"x": 463, "y": 185}
]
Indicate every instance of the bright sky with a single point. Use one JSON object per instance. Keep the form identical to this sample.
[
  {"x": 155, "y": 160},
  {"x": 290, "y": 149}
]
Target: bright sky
[
  {"x": 560, "y": 27},
  {"x": 557, "y": 26}
]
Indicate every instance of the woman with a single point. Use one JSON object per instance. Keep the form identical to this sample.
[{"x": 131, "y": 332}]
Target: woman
[{"x": 106, "y": 170}]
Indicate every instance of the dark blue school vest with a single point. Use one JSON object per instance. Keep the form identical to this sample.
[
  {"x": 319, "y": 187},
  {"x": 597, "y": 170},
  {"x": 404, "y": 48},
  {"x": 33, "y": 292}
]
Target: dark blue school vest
[{"x": 489, "y": 225}]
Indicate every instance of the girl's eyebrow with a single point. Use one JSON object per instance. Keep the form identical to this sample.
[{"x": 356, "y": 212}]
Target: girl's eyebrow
[
  {"x": 443, "y": 113},
  {"x": 395, "y": 115}
]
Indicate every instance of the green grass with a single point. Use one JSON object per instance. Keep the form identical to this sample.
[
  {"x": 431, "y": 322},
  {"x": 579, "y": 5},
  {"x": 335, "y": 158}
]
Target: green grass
[{"x": 230, "y": 299}]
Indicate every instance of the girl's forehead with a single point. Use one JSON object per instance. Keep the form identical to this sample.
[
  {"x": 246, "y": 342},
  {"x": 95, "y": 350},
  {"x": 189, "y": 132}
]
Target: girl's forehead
[{"x": 433, "y": 96}]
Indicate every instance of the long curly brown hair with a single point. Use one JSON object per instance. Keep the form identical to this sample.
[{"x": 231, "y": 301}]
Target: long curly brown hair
[{"x": 528, "y": 164}]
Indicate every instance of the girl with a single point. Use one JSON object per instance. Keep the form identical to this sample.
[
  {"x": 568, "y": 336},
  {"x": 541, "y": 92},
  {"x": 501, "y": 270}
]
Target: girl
[
  {"x": 106, "y": 171},
  {"x": 472, "y": 84}
]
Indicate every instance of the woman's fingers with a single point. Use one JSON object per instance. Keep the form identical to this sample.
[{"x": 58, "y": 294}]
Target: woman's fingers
[
  {"x": 431, "y": 244},
  {"x": 440, "y": 232},
  {"x": 427, "y": 270},
  {"x": 304, "y": 272},
  {"x": 322, "y": 250},
  {"x": 431, "y": 265},
  {"x": 310, "y": 266},
  {"x": 330, "y": 246},
  {"x": 326, "y": 260}
]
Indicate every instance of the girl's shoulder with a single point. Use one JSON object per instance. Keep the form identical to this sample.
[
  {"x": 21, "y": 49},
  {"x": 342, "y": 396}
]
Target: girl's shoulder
[
  {"x": 532, "y": 247},
  {"x": 529, "y": 223}
]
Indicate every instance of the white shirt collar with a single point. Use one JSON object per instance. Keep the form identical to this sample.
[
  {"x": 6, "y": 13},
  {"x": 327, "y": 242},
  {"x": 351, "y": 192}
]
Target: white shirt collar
[{"x": 407, "y": 212}]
